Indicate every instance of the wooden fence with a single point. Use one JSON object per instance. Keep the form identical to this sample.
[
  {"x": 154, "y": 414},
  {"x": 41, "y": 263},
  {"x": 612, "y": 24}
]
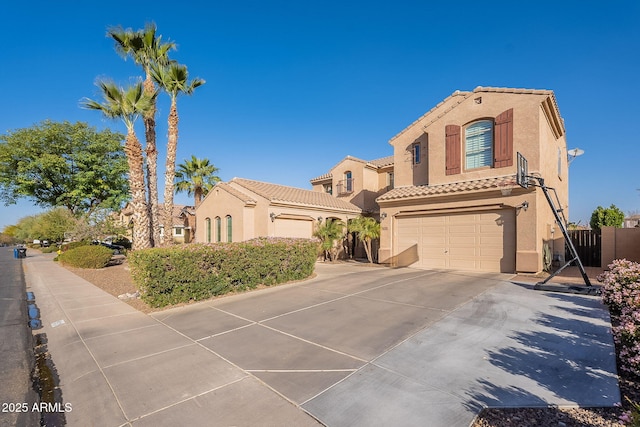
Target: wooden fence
[{"x": 588, "y": 244}]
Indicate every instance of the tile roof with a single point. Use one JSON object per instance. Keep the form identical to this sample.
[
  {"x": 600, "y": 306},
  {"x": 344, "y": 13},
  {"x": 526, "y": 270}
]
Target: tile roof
[
  {"x": 382, "y": 162},
  {"x": 377, "y": 163},
  {"x": 444, "y": 189},
  {"x": 236, "y": 193},
  {"x": 296, "y": 196}
]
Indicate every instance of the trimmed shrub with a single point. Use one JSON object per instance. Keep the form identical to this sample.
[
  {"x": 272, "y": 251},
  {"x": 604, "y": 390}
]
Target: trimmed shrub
[
  {"x": 72, "y": 245},
  {"x": 199, "y": 271},
  {"x": 86, "y": 257}
]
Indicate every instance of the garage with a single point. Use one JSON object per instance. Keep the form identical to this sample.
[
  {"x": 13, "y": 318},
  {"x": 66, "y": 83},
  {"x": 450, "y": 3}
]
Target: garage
[
  {"x": 293, "y": 227},
  {"x": 479, "y": 240}
]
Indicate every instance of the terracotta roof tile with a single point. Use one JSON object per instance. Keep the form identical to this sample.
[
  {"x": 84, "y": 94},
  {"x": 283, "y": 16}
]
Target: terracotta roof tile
[
  {"x": 236, "y": 193},
  {"x": 454, "y": 187},
  {"x": 382, "y": 162},
  {"x": 377, "y": 163},
  {"x": 293, "y": 195}
]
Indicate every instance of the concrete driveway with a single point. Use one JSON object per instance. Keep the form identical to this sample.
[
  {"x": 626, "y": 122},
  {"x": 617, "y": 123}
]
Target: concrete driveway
[{"x": 355, "y": 346}]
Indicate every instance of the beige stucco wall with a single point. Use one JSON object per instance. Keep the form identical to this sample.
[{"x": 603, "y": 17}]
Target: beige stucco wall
[
  {"x": 618, "y": 243},
  {"x": 532, "y": 136},
  {"x": 220, "y": 203},
  {"x": 252, "y": 220}
]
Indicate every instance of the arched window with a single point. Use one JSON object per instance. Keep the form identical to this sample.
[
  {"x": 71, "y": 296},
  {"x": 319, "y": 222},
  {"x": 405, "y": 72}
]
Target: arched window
[
  {"x": 229, "y": 229},
  {"x": 207, "y": 223},
  {"x": 478, "y": 138},
  {"x": 218, "y": 229}
]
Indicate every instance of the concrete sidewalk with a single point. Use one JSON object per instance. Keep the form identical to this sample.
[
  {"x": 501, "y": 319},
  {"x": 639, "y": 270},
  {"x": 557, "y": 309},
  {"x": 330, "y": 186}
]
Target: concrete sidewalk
[{"x": 355, "y": 346}]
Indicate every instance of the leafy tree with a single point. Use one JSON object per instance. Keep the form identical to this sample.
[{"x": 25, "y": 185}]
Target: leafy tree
[
  {"x": 367, "y": 229},
  {"x": 196, "y": 177},
  {"x": 606, "y": 217},
  {"x": 69, "y": 165},
  {"x": 329, "y": 232},
  {"x": 147, "y": 51},
  {"x": 128, "y": 105},
  {"x": 54, "y": 224},
  {"x": 173, "y": 79}
]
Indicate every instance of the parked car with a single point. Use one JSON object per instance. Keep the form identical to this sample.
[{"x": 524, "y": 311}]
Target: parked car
[
  {"x": 36, "y": 241},
  {"x": 117, "y": 249},
  {"x": 45, "y": 244}
]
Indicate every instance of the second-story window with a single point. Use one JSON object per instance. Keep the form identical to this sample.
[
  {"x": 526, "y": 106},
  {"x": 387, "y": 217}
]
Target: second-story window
[
  {"x": 390, "y": 180},
  {"x": 478, "y": 139},
  {"x": 348, "y": 182},
  {"x": 328, "y": 188},
  {"x": 415, "y": 153}
]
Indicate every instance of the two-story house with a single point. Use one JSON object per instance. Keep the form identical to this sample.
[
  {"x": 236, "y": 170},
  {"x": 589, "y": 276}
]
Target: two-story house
[
  {"x": 456, "y": 205},
  {"x": 358, "y": 181}
]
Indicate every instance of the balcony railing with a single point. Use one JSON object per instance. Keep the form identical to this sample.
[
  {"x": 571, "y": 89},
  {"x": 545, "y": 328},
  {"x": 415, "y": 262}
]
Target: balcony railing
[{"x": 345, "y": 186}]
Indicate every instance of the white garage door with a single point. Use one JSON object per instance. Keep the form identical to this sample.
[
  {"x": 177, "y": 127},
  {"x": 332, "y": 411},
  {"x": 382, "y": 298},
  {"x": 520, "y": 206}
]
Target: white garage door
[
  {"x": 482, "y": 241},
  {"x": 285, "y": 227}
]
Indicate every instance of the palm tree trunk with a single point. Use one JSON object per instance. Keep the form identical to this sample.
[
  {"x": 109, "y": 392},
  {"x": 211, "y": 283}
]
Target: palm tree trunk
[
  {"x": 141, "y": 234},
  {"x": 152, "y": 164},
  {"x": 170, "y": 174}
]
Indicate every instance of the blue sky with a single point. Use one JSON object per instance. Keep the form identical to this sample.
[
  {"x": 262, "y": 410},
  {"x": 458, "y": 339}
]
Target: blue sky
[{"x": 324, "y": 79}]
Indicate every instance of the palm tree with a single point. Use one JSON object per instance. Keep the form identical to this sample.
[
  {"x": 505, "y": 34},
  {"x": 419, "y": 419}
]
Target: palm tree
[
  {"x": 328, "y": 232},
  {"x": 128, "y": 105},
  {"x": 196, "y": 177},
  {"x": 173, "y": 79},
  {"x": 367, "y": 229},
  {"x": 147, "y": 50}
]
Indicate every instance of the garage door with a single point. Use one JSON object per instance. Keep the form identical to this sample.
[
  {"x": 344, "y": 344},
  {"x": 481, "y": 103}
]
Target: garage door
[
  {"x": 285, "y": 227},
  {"x": 481, "y": 241}
]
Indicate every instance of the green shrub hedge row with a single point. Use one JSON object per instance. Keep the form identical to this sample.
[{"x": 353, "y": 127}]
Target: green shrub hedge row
[
  {"x": 86, "y": 257},
  {"x": 199, "y": 271}
]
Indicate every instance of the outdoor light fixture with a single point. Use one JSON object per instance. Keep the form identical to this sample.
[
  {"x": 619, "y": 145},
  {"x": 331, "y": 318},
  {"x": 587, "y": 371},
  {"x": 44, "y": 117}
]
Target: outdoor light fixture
[
  {"x": 524, "y": 206},
  {"x": 272, "y": 216},
  {"x": 383, "y": 215},
  {"x": 319, "y": 219}
]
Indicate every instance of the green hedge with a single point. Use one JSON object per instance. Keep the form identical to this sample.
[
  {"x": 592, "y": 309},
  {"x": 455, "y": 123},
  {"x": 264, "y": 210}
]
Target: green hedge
[
  {"x": 86, "y": 257},
  {"x": 197, "y": 271}
]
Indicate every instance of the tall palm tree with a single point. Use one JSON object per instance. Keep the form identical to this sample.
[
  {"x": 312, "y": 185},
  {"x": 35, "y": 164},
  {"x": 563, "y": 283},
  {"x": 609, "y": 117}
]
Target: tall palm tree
[
  {"x": 196, "y": 177},
  {"x": 128, "y": 105},
  {"x": 328, "y": 233},
  {"x": 367, "y": 229},
  {"x": 173, "y": 79},
  {"x": 147, "y": 50}
]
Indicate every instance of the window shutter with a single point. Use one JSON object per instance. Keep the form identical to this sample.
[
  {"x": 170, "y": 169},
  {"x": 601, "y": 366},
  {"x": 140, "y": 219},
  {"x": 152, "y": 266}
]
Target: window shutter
[
  {"x": 503, "y": 149},
  {"x": 452, "y": 150}
]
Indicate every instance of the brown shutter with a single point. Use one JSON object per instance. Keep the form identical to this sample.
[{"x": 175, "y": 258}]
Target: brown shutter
[
  {"x": 503, "y": 149},
  {"x": 452, "y": 150}
]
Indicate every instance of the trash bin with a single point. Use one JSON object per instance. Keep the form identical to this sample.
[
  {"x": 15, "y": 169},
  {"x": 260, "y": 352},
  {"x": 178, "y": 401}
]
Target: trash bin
[
  {"x": 22, "y": 252},
  {"x": 15, "y": 252}
]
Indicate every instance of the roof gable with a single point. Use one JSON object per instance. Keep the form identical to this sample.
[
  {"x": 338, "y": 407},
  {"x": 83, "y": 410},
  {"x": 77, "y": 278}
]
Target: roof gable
[{"x": 549, "y": 105}]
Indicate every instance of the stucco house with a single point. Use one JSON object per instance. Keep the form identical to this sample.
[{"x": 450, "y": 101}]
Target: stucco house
[
  {"x": 242, "y": 209},
  {"x": 455, "y": 203},
  {"x": 183, "y": 222},
  {"x": 446, "y": 198}
]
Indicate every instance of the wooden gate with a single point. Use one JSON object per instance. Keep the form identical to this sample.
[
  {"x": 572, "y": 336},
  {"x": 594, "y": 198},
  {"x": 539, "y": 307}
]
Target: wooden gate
[{"x": 588, "y": 245}]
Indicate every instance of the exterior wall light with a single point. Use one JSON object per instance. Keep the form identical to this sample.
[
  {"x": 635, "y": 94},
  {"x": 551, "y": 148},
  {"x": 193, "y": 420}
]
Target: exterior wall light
[{"x": 272, "y": 216}]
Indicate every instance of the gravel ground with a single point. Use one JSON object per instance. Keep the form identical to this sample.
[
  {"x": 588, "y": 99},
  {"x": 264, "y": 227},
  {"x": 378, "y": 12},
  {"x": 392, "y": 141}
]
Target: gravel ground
[{"x": 116, "y": 280}]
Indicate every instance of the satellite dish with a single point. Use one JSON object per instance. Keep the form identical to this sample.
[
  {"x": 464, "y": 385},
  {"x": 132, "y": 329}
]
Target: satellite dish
[{"x": 575, "y": 152}]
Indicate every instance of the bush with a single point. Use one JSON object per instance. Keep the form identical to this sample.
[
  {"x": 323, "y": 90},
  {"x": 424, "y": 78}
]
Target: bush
[
  {"x": 49, "y": 250},
  {"x": 86, "y": 257},
  {"x": 621, "y": 292},
  {"x": 72, "y": 245},
  {"x": 199, "y": 271}
]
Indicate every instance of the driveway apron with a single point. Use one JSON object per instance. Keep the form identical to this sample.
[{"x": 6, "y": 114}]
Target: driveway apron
[{"x": 356, "y": 345}]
